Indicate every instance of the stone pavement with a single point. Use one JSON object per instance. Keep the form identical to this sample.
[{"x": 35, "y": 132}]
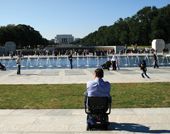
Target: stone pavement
[
  {"x": 69, "y": 76},
  {"x": 64, "y": 121}
]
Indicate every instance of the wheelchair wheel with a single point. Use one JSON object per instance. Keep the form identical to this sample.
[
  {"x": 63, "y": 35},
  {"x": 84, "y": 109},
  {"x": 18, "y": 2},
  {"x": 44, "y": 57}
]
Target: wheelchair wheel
[
  {"x": 105, "y": 127},
  {"x": 88, "y": 117},
  {"x": 88, "y": 128},
  {"x": 106, "y": 118}
]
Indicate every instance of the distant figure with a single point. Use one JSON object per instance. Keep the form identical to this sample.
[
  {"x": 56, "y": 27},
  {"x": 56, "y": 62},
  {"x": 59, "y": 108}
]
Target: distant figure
[
  {"x": 139, "y": 64},
  {"x": 21, "y": 53},
  {"x": 155, "y": 61},
  {"x": 2, "y": 67},
  {"x": 117, "y": 64},
  {"x": 70, "y": 59},
  {"x": 11, "y": 54},
  {"x": 84, "y": 52},
  {"x": 144, "y": 69},
  {"x": 113, "y": 61},
  {"x": 19, "y": 65}
]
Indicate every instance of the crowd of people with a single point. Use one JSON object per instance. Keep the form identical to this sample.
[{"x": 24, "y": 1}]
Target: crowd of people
[{"x": 114, "y": 64}]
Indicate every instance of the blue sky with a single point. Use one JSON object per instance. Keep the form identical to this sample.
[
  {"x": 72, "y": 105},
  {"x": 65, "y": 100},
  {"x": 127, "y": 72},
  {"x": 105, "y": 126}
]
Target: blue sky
[{"x": 76, "y": 17}]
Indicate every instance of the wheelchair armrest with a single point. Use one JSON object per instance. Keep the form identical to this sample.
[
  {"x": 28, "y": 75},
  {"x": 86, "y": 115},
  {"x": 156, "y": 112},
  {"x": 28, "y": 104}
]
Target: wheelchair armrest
[
  {"x": 109, "y": 107},
  {"x": 86, "y": 111}
]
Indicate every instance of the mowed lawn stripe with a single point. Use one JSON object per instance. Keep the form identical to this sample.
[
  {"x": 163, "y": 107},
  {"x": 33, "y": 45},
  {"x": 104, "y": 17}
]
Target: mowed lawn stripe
[{"x": 70, "y": 96}]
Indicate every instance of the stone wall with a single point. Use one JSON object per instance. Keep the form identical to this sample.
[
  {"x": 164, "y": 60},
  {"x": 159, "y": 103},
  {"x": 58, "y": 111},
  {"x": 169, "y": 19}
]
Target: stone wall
[
  {"x": 2, "y": 51},
  {"x": 9, "y": 46},
  {"x": 118, "y": 48},
  {"x": 167, "y": 46}
]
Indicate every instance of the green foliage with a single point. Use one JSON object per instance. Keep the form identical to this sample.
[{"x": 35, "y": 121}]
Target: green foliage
[
  {"x": 22, "y": 35},
  {"x": 147, "y": 24}
]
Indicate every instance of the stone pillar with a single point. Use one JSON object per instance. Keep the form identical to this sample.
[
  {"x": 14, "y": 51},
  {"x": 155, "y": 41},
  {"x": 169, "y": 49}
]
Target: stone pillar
[{"x": 158, "y": 44}]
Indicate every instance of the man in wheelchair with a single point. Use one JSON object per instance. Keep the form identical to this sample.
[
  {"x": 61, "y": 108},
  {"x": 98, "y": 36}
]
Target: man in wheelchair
[{"x": 97, "y": 101}]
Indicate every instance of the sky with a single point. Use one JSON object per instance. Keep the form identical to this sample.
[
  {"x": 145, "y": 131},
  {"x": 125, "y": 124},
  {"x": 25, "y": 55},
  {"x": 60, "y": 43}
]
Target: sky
[{"x": 76, "y": 17}]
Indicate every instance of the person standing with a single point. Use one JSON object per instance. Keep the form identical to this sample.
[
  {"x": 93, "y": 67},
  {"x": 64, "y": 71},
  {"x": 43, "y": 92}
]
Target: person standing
[
  {"x": 70, "y": 59},
  {"x": 19, "y": 65},
  {"x": 139, "y": 64},
  {"x": 144, "y": 69},
  {"x": 117, "y": 64},
  {"x": 11, "y": 54},
  {"x": 113, "y": 61},
  {"x": 155, "y": 61},
  {"x": 21, "y": 53}
]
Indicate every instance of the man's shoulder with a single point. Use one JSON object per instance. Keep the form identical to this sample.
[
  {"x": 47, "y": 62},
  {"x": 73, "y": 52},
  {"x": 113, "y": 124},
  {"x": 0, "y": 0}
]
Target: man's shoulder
[
  {"x": 106, "y": 82},
  {"x": 90, "y": 82}
]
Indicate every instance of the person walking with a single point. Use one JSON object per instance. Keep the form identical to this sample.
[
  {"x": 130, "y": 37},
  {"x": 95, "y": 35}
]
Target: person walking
[
  {"x": 144, "y": 69},
  {"x": 19, "y": 65},
  {"x": 113, "y": 61},
  {"x": 70, "y": 59},
  {"x": 155, "y": 61}
]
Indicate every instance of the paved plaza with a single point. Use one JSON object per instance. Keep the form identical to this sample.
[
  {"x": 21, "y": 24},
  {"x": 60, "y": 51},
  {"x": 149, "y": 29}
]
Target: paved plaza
[
  {"x": 73, "y": 121},
  {"x": 70, "y": 76},
  {"x": 64, "y": 121}
]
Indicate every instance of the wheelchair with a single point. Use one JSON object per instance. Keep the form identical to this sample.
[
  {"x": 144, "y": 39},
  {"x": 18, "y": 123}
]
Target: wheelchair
[
  {"x": 97, "y": 113},
  {"x": 2, "y": 67},
  {"x": 106, "y": 65}
]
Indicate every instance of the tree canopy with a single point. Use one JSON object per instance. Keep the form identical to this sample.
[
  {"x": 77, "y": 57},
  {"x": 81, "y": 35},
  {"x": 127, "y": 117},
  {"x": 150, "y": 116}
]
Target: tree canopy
[
  {"x": 22, "y": 35},
  {"x": 147, "y": 24}
]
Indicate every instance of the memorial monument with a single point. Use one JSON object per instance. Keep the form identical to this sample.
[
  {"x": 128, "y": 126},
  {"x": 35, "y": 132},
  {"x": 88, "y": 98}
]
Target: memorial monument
[
  {"x": 9, "y": 46},
  {"x": 64, "y": 39},
  {"x": 158, "y": 44}
]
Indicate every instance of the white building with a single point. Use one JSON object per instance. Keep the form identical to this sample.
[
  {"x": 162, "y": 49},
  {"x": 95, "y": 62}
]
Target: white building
[{"x": 64, "y": 38}]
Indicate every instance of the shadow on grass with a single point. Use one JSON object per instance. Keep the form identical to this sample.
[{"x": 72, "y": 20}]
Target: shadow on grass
[{"x": 131, "y": 127}]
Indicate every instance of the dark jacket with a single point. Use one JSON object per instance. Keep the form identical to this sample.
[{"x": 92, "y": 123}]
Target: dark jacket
[
  {"x": 143, "y": 67},
  {"x": 70, "y": 57},
  {"x": 155, "y": 57}
]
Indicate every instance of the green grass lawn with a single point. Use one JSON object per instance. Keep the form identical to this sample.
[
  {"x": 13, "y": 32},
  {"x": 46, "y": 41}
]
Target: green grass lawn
[
  {"x": 130, "y": 47},
  {"x": 67, "y": 96}
]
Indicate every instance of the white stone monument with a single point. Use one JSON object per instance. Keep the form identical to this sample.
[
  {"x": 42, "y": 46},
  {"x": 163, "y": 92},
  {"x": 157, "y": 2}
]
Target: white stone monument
[
  {"x": 158, "y": 44},
  {"x": 63, "y": 39}
]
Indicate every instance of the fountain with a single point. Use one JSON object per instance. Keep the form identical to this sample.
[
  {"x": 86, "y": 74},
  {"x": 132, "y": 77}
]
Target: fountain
[
  {"x": 101, "y": 54},
  {"x": 58, "y": 65},
  {"x": 87, "y": 62},
  {"x": 126, "y": 64},
  {"x": 37, "y": 62},
  {"x": 77, "y": 61},
  {"x": 47, "y": 63},
  {"x": 97, "y": 61},
  {"x": 167, "y": 60},
  {"x": 28, "y": 62},
  {"x": 67, "y": 62},
  {"x": 42, "y": 62}
]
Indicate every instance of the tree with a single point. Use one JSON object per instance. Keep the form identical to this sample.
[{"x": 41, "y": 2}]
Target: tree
[
  {"x": 147, "y": 24},
  {"x": 22, "y": 35}
]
